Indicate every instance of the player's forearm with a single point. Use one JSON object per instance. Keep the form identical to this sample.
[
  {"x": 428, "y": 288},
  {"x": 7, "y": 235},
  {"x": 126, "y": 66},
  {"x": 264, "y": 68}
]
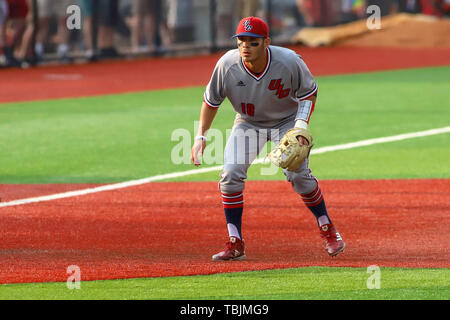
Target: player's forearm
[
  {"x": 207, "y": 115},
  {"x": 304, "y": 112}
]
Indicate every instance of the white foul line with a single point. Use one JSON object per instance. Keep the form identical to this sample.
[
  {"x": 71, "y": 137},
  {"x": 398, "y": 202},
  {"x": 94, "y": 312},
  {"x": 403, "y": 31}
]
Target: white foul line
[{"x": 138, "y": 182}]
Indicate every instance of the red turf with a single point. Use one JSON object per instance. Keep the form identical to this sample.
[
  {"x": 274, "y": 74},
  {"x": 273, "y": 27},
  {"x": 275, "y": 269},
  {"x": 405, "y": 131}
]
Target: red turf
[{"x": 144, "y": 231}]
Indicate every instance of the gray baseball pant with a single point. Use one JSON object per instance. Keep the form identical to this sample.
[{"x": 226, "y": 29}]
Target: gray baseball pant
[{"x": 243, "y": 146}]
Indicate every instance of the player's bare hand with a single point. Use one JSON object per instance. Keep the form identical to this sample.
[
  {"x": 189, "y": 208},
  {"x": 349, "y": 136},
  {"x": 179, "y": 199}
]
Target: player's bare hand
[
  {"x": 302, "y": 141},
  {"x": 197, "y": 150}
]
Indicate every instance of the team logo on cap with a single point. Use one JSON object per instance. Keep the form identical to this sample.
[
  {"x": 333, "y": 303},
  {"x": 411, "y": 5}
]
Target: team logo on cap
[{"x": 247, "y": 25}]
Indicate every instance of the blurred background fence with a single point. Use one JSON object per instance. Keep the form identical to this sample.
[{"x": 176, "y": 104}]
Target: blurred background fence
[{"x": 35, "y": 31}]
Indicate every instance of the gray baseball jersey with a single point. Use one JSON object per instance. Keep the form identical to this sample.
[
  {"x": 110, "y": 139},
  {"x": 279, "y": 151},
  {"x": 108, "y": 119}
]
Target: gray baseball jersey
[{"x": 264, "y": 99}]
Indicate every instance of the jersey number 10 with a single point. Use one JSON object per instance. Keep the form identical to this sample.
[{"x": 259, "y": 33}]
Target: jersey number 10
[{"x": 248, "y": 109}]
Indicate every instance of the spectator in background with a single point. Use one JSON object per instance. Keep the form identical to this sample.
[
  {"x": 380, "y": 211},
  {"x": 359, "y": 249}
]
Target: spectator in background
[
  {"x": 147, "y": 15},
  {"x": 3, "y": 16},
  {"x": 410, "y": 6},
  {"x": 446, "y": 8},
  {"x": 181, "y": 20},
  {"x": 3, "y": 11},
  {"x": 15, "y": 21},
  {"x": 47, "y": 9},
  {"x": 87, "y": 10},
  {"x": 351, "y": 10},
  {"x": 107, "y": 14},
  {"x": 247, "y": 8},
  {"x": 434, "y": 7},
  {"x": 226, "y": 14},
  {"x": 108, "y": 20},
  {"x": 224, "y": 21},
  {"x": 386, "y": 6},
  {"x": 319, "y": 13}
]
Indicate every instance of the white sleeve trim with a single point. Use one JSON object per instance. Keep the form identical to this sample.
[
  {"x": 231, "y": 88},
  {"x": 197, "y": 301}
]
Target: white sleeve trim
[
  {"x": 209, "y": 103},
  {"x": 310, "y": 93}
]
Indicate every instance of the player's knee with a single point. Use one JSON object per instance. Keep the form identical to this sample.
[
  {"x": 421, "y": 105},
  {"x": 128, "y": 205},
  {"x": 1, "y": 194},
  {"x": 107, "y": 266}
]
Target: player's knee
[
  {"x": 302, "y": 182},
  {"x": 232, "y": 179}
]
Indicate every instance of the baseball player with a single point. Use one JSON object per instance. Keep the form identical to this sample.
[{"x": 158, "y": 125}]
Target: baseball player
[{"x": 272, "y": 91}]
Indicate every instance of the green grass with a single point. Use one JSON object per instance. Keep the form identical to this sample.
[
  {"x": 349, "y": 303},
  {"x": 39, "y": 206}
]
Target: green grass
[
  {"x": 128, "y": 136},
  {"x": 311, "y": 283}
]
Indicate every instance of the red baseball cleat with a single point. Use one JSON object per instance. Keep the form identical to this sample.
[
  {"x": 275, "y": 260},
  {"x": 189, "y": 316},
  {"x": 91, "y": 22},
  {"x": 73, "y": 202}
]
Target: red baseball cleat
[
  {"x": 234, "y": 250},
  {"x": 333, "y": 240}
]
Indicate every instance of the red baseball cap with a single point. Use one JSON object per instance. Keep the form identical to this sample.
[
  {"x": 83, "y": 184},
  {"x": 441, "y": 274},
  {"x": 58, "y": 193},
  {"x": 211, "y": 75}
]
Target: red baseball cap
[{"x": 252, "y": 27}]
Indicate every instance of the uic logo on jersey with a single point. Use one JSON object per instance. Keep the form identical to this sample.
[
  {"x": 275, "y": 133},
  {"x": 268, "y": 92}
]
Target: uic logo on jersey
[
  {"x": 247, "y": 25},
  {"x": 277, "y": 85}
]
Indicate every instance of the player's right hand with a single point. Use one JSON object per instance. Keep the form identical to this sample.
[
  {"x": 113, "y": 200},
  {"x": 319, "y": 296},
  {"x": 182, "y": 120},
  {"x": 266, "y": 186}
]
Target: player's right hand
[{"x": 197, "y": 149}]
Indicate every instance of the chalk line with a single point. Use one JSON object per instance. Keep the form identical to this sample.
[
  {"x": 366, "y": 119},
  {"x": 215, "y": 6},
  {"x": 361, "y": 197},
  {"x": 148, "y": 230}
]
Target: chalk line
[{"x": 173, "y": 175}]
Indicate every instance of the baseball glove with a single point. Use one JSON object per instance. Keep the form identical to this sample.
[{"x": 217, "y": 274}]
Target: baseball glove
[{"x": 289, "y": 154}]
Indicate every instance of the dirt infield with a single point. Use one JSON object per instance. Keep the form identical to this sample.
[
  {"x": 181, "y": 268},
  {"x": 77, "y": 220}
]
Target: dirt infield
[
  {"x": 401, "y": 30},
  {"x": 149, "y": 74},
  {"x": 171, "y": 229},
  {"x": 422, "y": 32}
]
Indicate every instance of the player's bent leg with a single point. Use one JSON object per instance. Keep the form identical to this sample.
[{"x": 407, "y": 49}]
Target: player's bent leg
[
  {"x": 242, "y": 148},
  {"x": 302, "y": 180},
  {"x": 232, "y": 185},
  {"x": 307, "y": 186},
  {"x": 232, "y": 178}
]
